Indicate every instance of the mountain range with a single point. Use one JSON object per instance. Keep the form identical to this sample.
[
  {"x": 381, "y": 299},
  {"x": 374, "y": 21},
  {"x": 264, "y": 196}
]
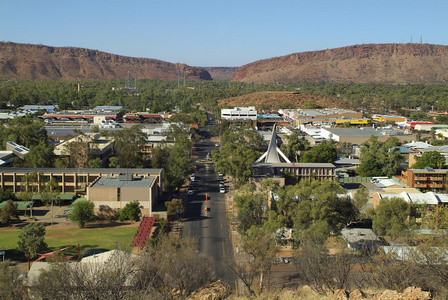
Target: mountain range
[{"x": 376, "y": 63}]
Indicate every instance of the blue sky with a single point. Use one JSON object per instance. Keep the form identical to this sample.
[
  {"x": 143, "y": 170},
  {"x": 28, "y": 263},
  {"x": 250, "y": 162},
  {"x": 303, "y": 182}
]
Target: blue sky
[{"x": 221, "y": 33}]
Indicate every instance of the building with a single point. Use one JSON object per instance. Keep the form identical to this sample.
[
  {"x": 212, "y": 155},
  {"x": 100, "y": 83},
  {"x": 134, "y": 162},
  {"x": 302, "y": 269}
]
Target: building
[
  {"x": 273, "y": 163},
  {"x": 73, "y": 180},
  {"x": 36, "y": 108},
  {"x": 429, "y": 198},
  {"x": 361, "y": 135},
  {"x": 100, "y": 147},
  {"x": 239, "y": 114},
  {"x": 323, "y": 116},
  {"x": 80, "y": 117},
  {"x": 112, "y": 193},
  {"x": 427, "y": 179}
]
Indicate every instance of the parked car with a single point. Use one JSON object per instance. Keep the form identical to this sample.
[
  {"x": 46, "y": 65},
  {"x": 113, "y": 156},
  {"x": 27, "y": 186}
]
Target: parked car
[
  {"x": 216, "y": 145},
  {"x": 222, "y": 190},
  {"x": 190, "y": 192},
  {"x": 193, "y": 177}
]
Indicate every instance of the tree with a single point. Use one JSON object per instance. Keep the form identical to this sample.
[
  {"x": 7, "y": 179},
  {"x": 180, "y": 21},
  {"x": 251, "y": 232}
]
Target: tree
[
  {"x": 131, "y": 211},
  {"x": 380, "y": 159},
  {"x": 294, "y": 145},
  {"x": 128, "y": 145},
  {"x": 431, "y": 159},
  {"x": 260, "y": 251},
  {"x": 32, "y": 239},
  {"x": 390, "y": 217},
  {"x": 175, "y": 206},
  {"x": 173, "y": 264},
  {"x": 82, "y": 213},
  {"x": 95, "y": 163},
  {"x": 360, "y": 199},
  {"x": 11, "y": 286},
  {"x": 321, "y": 271},
  {"x": 9, "y": 212},
  {"x": 40, "y": 156},
  {"x": 322, "y": 153}
]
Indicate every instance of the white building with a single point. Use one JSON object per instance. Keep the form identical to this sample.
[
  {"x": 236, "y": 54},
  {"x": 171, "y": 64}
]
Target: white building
[{"x": 239, "y": 113}]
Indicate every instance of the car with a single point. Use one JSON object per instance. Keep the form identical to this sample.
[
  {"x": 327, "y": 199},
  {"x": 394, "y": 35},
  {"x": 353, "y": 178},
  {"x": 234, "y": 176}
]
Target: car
[
  {"x": 190, "y": 192},
  {"x": 222, "y": 190},
  {"x": 193, "y": 177},
  {"x": 221, "y": 176},
  {"x": 216, "y": 145},
  {"x": 221, "y": 184}
]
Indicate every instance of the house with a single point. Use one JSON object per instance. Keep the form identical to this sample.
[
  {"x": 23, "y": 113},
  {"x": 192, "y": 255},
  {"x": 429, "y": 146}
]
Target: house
[
  {"x": 100, "y": 147},
  {"x": 361, "y": 239},
  {"x": 427, "y": 179}
]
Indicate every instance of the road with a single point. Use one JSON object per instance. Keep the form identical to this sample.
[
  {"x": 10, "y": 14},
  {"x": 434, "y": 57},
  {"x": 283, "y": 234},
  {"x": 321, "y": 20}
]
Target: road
[{"x": 211, "y": 227}]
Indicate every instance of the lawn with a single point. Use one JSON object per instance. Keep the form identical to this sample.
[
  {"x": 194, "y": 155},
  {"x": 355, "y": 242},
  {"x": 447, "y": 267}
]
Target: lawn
[{"x": 106, "y": 237}]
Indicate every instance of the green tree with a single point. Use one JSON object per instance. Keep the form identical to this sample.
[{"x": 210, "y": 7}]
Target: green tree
[
  {"x": 322, "y": 153},
  {"x": 431, "y": 159},
  {"x": 95, "y": 163},
  {"x": 380, "y": 159},
  {"x": 32, "y": 239},
  {"x": 390, "y": 217},
  {"x": 294, "y": 146},
  {"x": 129, "y": 143},
  {"x": 175, "y": 206},
  {"x": 9, "y": 212},
  {"x": 40, "y": 156},
  {"x": 82, "y": 213},
  {"x": 131, "y": 211}
]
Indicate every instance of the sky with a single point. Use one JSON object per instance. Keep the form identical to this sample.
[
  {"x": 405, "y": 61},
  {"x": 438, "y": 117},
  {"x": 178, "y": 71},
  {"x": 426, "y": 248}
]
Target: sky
[{"x": 217, "y": 33}]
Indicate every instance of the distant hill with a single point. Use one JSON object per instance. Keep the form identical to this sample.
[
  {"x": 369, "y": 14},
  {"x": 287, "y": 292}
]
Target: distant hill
[
  {"x": 377, "y": 63},
  {"x": 221, "y": 72},
  {"x": 272, "y": 100},
  {"x": 27, "y": 61}
]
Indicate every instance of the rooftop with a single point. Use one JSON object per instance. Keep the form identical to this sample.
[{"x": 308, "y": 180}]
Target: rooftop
[
  {"x": 363, "y": 132},
  {"x": 116, "y": 182}
]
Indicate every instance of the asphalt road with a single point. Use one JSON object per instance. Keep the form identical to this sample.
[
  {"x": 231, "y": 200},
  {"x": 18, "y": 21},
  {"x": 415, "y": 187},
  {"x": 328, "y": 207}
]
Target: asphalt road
[{"x": 211, "y": 227}]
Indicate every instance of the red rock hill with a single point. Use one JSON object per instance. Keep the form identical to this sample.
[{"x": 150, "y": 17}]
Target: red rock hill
[
  {"x": 27, "y": 61},
  {"x": 378, "y": 63}
]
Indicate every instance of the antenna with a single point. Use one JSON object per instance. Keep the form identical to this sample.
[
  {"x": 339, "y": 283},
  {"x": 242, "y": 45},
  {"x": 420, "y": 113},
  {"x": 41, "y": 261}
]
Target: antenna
[
  {"x": 127, "y": 81},
  {"x": 178, "y": 70}
]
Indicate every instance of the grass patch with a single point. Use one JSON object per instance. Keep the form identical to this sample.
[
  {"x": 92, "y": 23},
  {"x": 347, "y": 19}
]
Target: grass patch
[{"x": 110, "y": 238}]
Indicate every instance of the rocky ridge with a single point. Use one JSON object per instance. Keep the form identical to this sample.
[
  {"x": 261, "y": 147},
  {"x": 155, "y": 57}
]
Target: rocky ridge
[
  {"x": 377, "y": 63},
  {"x": 27, "y": 61}
]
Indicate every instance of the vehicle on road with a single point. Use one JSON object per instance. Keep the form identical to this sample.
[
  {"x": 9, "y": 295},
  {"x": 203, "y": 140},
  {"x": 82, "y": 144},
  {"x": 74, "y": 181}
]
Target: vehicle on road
[
  {"x": 190, "y": 192},
  {"x": 222, "y": 190},
  {"x": 216, "y": 145}
]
